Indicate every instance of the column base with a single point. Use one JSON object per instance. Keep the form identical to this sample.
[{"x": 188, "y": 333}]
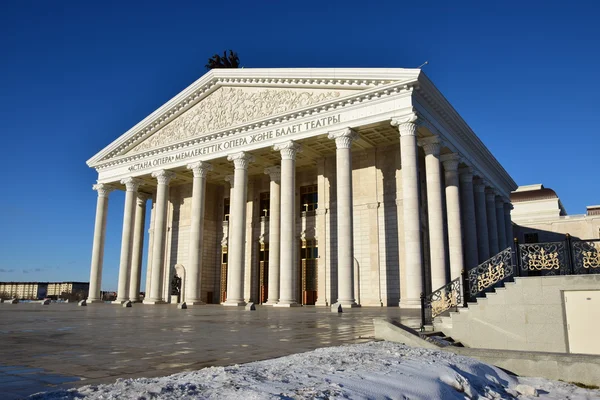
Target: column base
[
  {"x": 195, "y": 303},
  {"x": 287, "y": 305},
  {"x": 350, "y": 305},
  {"x": 270, "y": 303},
  {"x": 233, "y": 303},
  {"x": 322, "y": 303},
  {"x": 410, "y": 303},
  {"x": 154, "y": 302}
]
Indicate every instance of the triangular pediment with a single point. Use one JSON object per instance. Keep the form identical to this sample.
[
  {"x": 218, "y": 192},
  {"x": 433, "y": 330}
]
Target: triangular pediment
[
  {"x": 228, "y": 107},
  {"x": 226, "y": 99}
]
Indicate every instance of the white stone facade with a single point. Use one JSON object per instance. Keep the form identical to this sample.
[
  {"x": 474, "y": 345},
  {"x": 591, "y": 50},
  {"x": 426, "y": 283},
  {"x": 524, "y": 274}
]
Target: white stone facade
[{"x": 374, "y": 169}]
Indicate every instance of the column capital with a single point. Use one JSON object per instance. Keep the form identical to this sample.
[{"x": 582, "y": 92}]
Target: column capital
[
  {"x": 274, "y": 173},
  {"x": 288, "y": 149},
  {"x": 102, "y": 189},
  {"x": 479, "y": 184},
  {"x": 499, "y": 201},
  {"x": 200, "y": 168},
  {"x": 431, "y": 145},
  {"x": 240, "y": 160},
  {"x": 466, "y": 174},
  {"x": 508, "y": 207},
  {"x": 142, "y": 197},
  {"x": 406, "y": 125},
  {"x": 132, "y": 184},
  {"x": 450, "y": 162},
  {"x": 343, "y": 138},
  {"x": 490, "y": 194},
  {"x": 163, "y": 176}
]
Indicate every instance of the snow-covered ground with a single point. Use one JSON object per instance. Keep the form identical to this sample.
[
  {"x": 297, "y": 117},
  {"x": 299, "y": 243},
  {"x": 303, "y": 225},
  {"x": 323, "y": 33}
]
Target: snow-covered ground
[{"x": 377, "y": 370}]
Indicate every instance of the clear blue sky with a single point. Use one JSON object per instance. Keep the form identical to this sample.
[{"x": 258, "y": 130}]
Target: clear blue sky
[{"x": 74, "y": 75}]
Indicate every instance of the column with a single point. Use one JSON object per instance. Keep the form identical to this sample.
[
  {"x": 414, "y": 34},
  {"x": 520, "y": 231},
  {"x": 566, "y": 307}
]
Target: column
[
  {"x": 500, "y": 223},
  {"x": 345, "y": 221},
  {"x": 469, "y": 223},
  {"x": 159, "y": 236},
  {"x": 490, "y": 203},
  {"x": 98, "y": 245},
  {"x": 131, "y": 184},
  {"x": 411, "y": 211},
  {"x": 138, "y": 247},
  {"x": 483, "y": 241},
  {"x": 193, "y": 273},
  {"x": 435, "y": 211},
  {"x": 237, "y": 230},
  {"x": 508, "y": 223},
  {"x": 287, "y": 266},
  {"x": 274, "y": 233},
  {"x": 455, "y": 242}
]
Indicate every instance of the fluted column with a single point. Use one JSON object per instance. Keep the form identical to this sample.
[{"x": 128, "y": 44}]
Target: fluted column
[
  {"x": 483, "y": 241},
  {"x": 469, "y": 223},
  {"x": 131, "y": 185},
  {"x": 138, "y": 246},
  {"x": 411, "y": 211},
  {"x": 237, "y": 230},
  {"x": 500, "y": 224},
  {"x": 345, "y": 224},
  {"x": 455, "y": 242},
  {"x": 287, "y": 265},
  {"x": 274, "y": 233},
  {"x": 193, "y": 273},
  {"x": 490, "y": 202},
  {"x": 98, "y": 245},
  {"x": 435, "y": 211},
  {"x": 508, "y": 223},
  {"x": 159, "y": 235}
]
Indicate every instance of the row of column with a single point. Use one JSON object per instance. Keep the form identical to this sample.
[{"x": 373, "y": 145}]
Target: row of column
[
  {"x": 282, "y": 224},
  {"x": 476, "y": 223}
]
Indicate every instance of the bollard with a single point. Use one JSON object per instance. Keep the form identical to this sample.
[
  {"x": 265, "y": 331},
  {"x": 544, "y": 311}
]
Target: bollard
[
  {"x": 336, "y": 307},
  {"x": 182, "y": 306},
  {"x": 82, "y": 303},
  {"x": 127, "y": 304},
  {"x": 250, "y": 307}
]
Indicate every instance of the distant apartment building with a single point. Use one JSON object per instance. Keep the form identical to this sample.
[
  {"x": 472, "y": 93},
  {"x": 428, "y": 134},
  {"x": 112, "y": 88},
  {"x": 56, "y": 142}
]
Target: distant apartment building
[{"x": 40, "y": 290}]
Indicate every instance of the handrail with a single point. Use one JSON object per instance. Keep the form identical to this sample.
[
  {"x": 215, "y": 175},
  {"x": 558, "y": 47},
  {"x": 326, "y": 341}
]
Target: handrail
[
  {"x": 490, "y": 272},
  {"x": 441, "y": 300}
]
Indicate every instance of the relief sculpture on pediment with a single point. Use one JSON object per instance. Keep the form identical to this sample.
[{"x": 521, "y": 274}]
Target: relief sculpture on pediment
[{"x": 228, "y": 107}]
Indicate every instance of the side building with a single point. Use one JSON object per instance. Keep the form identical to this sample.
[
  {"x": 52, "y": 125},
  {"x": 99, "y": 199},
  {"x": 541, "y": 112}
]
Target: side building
[
  {"x": 539, "y": 216},
  {"x": 294, "y": 187},
  {"x": 41, "y": 290}
]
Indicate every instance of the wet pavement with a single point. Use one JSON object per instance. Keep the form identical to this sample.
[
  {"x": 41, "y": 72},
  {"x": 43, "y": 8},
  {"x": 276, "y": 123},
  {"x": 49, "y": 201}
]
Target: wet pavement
[{"x": 45, "y": 348}]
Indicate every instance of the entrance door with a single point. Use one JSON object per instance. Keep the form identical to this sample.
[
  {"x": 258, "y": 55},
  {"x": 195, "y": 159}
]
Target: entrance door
[
  {"x": 263, "y": 273},
  {"x": 308, "y": 265},
  {"x": 224, "y": 274},
  {"x": 582, "y": 308}
]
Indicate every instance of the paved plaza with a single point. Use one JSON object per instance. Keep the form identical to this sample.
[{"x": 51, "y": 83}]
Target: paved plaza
[{"x": 62, "y": 345}]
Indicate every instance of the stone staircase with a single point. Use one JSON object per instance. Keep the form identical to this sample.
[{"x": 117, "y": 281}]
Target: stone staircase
[{"x": 526, "y": 314}]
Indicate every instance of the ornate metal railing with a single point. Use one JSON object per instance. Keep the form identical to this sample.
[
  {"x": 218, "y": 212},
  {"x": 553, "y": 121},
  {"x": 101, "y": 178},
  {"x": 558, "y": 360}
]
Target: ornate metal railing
[
  {"x": 585, "y": 256},
  {"x": 447, "y": 297},
  {"x": 490, "y": 273},
  {"x": 550, "y": 258}
]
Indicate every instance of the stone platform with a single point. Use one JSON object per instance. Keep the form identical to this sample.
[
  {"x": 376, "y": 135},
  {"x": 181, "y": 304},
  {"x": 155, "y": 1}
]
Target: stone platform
[{"x": 62, "y": 345}]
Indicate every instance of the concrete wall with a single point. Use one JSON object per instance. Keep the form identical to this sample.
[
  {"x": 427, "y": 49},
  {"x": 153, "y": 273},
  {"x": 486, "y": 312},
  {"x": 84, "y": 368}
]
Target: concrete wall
[{"x": 525, "y": 315}]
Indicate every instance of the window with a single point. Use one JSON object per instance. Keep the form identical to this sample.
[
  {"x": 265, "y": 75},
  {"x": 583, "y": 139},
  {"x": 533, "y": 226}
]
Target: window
[
  {"x": 226, "y": 209},
  {"x": 531, "y": 238},
  {"x": 265, "y": 204},
  {"x": 308, "y": 198}
]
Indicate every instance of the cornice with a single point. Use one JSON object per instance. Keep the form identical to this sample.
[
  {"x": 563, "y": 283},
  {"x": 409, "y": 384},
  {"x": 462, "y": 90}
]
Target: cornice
[
  {"x": 350, "y": 78},
  {"x": 111, "y": 154},
  {"x": 478, "y": 154}
]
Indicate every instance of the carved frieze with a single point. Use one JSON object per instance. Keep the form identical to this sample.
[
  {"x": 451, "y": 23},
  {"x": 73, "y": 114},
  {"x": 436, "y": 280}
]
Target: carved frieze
[{"x": 229, "y": 107}]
